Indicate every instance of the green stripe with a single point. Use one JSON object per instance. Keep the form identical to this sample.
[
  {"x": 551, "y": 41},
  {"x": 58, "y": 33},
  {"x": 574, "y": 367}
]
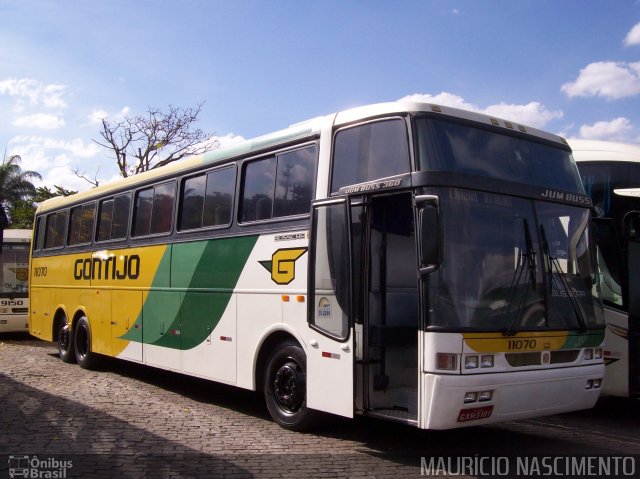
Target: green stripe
[{"x": 182, "y": 320}]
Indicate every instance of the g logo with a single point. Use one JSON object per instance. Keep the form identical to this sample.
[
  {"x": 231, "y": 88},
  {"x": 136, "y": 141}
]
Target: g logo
[{"x": 283, "y": 264}]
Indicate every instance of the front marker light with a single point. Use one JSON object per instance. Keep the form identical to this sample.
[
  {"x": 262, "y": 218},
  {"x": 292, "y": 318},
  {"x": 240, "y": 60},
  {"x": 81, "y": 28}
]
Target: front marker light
[
  {"x": 597, "y": 353},
  {"x": 471, "y": 362},
  {"x": 485, "y": 396},
  {"x": 470, "y": 397},
  {"x": 446, "y": 361},
  {"x": 486, "y": 361},
  {"x": 588, "y": 354}
]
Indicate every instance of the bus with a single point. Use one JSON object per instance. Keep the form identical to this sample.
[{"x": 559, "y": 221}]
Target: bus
[
  {"x": 14, "y": 276},
  {"x": 611, "y": 175},
  {"x": 406, "y": 261}
]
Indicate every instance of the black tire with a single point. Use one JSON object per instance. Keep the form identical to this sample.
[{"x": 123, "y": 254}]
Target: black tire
[
  {"x": 285, "y": 387},
  {"x": 86, "y": 358},
  {"x": 66, "y": 349}
]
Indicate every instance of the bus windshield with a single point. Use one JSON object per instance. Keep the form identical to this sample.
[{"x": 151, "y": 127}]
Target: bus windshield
[
  {"x": 14, "y": 268},
  {"x": 530, "y": 270},
  {"x": 449, "y": 146}
]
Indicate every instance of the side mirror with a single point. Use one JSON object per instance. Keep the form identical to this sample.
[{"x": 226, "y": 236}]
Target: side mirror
[{"x": 429, "y": 233}]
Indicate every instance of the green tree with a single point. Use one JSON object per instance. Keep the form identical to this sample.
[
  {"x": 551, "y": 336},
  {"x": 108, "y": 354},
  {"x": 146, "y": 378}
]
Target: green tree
[
  {"x": 15, "y": 186},
  {"x": 23, "y": 211}
]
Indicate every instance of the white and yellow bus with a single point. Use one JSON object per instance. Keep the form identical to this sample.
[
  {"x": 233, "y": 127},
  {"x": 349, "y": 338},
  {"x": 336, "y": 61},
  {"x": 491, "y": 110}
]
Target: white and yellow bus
[
  {"x": 14, "y": 275},
  {"x": 407, "y": 261},
  {"x": 611, "y": 176}
]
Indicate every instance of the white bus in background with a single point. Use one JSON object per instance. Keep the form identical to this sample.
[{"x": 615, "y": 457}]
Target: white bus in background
[
  {"x": 611, "y": 175},
  {"x": 14, "y": 281}
]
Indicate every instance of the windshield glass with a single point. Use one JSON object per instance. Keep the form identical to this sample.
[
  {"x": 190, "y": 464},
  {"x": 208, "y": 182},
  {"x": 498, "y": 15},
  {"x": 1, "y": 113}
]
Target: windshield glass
[
  {"x": 14, "y": 270},
  {"x": 497, "y": 273},
  {"x": 449, "y": 146}
]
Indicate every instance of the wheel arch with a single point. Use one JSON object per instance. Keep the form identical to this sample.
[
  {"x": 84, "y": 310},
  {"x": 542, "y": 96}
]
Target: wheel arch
[{"x": 269, "y": 344}]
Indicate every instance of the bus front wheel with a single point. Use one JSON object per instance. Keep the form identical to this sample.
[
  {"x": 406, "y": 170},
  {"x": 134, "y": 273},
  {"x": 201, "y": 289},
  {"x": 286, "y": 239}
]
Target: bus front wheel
[
  {"x": 285, "y": 387},
  {"x": 86, "y": 358},
  {"x": 66, "y": 350}
]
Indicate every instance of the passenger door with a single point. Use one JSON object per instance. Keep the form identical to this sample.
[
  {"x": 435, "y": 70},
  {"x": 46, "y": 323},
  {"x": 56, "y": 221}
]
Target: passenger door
[{"x": 330, "y": 339}]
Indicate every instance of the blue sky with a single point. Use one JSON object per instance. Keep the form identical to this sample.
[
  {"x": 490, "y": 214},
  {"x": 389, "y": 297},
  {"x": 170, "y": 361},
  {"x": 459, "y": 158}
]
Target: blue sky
[{"x": 570, "y": 67}]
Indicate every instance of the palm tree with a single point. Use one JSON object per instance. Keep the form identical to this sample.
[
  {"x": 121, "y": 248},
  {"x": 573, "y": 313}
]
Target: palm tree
[{"x": 15, "y": 185}]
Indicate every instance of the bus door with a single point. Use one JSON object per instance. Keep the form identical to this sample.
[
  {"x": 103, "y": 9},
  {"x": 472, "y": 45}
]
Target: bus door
[
  {"x": 387, "y": 305},
  {"x": 330, "y": 339},
  {"x": 632, "y": 247}
]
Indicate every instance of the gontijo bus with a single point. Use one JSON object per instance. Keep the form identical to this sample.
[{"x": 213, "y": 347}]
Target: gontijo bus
[
  {"x": 407, "y": 261},
  {"x": 14, "y": 273},
  {"x": 611, "y": 175}
]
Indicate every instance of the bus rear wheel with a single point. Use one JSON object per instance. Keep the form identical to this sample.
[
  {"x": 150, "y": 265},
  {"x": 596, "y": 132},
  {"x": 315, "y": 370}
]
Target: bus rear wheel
[
  {"x": 86, "y": 358},
  {"x": 285, "y": 387},
  {"x": 66, "y": 351}
]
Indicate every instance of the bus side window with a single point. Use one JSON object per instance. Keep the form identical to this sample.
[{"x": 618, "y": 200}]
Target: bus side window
[
  {"x": 294, "y": 182},
  {"x": 81, "y": 224},
  {"x": 279, "y": 186},
  {"x": 218, "y": 202},
  {"x": 104, "y": 220},
  {"x": 368, "y": 152},
  {"x": 55, "y": 230},
  {"x": 207, "y": 199},
  {"x": 257, "y": 198},
  {"x": 154, "y": 210}
]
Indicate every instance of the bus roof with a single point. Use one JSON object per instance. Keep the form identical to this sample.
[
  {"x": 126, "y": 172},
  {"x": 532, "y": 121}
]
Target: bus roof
[
  {"x": 298, "y": 131},
  {"x": 595, "y": 150},
  {"x": 18, "y": 236}
]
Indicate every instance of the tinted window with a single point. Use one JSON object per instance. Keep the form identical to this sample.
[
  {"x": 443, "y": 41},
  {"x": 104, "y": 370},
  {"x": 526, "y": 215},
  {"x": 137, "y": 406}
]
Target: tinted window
[
  {"x": 192, "y": 202},
  {"x": 449, "y": 146},
  {"x": 280, "y": 186},
  {"x": 121, "y": 208},
  {"x": 368, "y": 152},
  {"x": 81, "y": 224},
  {"x": 56, "y": 225},
  {"x": 219, "y": 197},
  {"x": 294, "y": 182},
  {"x": 162, "y": 214},
  {"x": 259, "y": 181},
  {"x": 105, "y": 220},
  {"x": 154, "y": 210},
  {"x": 142, "y": 216}
]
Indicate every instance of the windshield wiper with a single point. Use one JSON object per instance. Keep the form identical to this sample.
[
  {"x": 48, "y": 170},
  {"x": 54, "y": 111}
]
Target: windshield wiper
[
  {"x": 552, "y": 264},
  {"x": 530, "y": 258}
]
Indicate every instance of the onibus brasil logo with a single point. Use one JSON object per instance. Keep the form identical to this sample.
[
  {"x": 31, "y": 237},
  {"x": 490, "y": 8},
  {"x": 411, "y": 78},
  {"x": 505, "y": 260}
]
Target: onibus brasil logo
[{"x": 282, "y": 265}]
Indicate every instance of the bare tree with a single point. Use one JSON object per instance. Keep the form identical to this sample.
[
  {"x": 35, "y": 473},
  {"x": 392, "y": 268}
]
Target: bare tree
[{"x": 141, "y": 143}]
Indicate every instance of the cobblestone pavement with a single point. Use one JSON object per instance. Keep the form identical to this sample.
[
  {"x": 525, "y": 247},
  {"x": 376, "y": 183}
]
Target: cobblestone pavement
[{"x": 128, "y": 420}]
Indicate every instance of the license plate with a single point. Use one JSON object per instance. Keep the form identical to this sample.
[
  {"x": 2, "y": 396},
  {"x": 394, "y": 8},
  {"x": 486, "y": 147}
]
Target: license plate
[{"x": 474, "y": 413}]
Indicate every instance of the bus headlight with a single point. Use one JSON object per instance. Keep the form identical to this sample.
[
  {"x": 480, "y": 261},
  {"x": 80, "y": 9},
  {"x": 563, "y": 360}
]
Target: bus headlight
[
  {"x": 597, "y": 353},
  {"x": 470, "y": 397},
  {"x": 485, "y": 396},
  {"x": 588, "y": 354},
  {"x": 471, "y": 362},
  {"x": 486, "y": 361}
]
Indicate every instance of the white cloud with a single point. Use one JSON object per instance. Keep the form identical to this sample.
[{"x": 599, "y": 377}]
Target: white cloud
[
  {"x": 55, "y": 159},
  {"x": 633, "y": 37},
  {"x": 37, "y": 93},
  {"x": 611, "y": 80},
  {"x": 532, "y": 114},
  {"x": 229, "y": 139},
  {"x": 43, "y": 121},
  {"x": 614, "y": 130},
  {"x": 96, "y": 116}
]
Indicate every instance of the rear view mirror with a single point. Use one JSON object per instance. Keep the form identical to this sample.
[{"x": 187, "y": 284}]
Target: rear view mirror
[{"x": 429, "y": 233}]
